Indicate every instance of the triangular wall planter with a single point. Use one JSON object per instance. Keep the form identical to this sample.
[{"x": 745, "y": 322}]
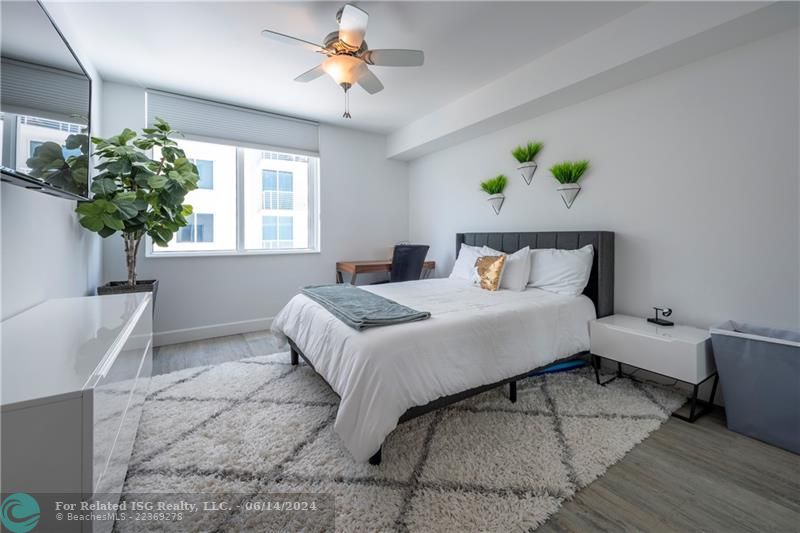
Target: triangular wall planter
[
  {"x": 526, "y": 170},
  {"x": 569, "y": 191},
  {"x": 496, "y": 201}
]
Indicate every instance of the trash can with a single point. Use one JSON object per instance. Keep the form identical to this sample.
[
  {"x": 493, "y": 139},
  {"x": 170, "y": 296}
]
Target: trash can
[{"x": 759, "y": 369}]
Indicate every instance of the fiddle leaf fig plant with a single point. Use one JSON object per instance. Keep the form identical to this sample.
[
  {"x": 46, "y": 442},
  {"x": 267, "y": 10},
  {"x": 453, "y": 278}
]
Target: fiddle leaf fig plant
[
  {"x": 71, "y": 172},
  {"x": 137, "y": 195}
]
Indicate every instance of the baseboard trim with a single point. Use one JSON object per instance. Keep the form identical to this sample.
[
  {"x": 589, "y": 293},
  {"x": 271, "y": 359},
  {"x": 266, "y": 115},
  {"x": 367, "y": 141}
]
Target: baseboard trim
[{"x": 175, "y": 336}]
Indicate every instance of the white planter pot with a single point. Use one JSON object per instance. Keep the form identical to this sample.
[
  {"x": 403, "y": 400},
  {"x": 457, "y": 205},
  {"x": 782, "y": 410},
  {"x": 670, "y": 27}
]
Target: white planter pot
[
  {"x": 526, "y": 170},
  {"x": 569, "y": 191},
  {"x": 496, "y": 201}
]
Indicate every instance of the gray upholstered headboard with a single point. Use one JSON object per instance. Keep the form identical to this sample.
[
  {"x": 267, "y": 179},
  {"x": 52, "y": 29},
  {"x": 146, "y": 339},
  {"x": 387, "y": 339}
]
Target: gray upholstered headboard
[{"x": 600, "y": 288}]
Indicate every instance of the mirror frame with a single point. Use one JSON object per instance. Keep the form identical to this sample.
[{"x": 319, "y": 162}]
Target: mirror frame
[{"x": 11, "y": 176}]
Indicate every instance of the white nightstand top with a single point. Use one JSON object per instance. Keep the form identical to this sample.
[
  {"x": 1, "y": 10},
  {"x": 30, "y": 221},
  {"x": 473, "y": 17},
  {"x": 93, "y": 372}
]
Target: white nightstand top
[
  {"x": 681, "y": 352},
  {"x": 640, "y": 326}
]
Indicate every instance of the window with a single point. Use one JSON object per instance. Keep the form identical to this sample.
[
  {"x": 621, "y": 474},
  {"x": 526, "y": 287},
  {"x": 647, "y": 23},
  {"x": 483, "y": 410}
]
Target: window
[
  {"x": 212, "y": 225},
  {"x": 278, "y": 211},
  {"x": 277, "y": 232},
  {"x": 277, "y": 186},
  {"x": 248, "y": 200},
  {"x": 199, "y": 229},
  {"x": 205, "y": 169}
]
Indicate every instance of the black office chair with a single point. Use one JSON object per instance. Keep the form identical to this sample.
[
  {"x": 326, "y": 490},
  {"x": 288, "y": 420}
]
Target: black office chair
[{"x": 407, "y": 262}]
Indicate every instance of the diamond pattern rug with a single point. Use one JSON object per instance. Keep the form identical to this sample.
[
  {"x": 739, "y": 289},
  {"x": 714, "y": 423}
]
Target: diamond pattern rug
[{"x": 262, "y": 426}]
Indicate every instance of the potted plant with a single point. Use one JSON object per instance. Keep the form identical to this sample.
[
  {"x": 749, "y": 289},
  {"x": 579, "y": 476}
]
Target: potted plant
[
  {"x": 494, "y": 188},
  {"x": 567, "y": 173},
  {"x": 525, "y": 155},
  {"x": 137, "y": 195}
]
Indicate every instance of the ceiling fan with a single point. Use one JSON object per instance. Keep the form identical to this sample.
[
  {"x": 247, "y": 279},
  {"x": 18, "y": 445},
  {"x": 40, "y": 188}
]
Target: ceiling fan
[{"x": 348, "y": 54}]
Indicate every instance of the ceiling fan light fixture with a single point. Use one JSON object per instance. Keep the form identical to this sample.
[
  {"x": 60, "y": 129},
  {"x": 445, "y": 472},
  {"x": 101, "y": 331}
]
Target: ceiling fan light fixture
[
  {"x": 343, "y": 68},
  {"x": 348, "y": 55}
]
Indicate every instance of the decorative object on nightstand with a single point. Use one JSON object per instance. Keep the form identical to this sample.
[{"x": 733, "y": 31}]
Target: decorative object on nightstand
[
  {"x": 494, "y": 188},
  {"x": 568, "y": 173},
  {"x": 665, "y": 312},
  {"x": 525, "y": 156},
  {"x": 679, "y": 352}
]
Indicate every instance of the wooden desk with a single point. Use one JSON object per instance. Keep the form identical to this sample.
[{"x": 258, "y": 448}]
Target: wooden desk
[{"x": 354, "y": 268}]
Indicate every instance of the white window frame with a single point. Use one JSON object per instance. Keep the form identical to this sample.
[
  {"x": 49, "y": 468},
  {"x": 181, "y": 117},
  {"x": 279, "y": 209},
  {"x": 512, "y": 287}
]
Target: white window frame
[{"x": 313, "y": 203}]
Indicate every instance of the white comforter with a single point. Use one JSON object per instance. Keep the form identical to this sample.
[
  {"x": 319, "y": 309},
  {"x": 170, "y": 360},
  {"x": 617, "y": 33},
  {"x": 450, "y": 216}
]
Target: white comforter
[{"x": 474, "y": 337}]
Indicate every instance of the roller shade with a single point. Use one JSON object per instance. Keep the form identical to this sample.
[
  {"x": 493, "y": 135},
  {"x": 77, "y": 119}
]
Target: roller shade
[
  {"x": 205, "y": 118},
  {"x": 29, "y": 89}
]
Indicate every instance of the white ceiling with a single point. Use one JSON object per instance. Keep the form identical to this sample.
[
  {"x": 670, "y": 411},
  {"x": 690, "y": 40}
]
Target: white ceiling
[{"x": 215, "y": 50}]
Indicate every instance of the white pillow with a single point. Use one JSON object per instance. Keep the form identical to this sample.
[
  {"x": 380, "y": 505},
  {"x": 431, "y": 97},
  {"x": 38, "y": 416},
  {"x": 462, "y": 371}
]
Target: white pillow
[
  {"x": 561, "y": 271},
  {"x": 516, "y": 270},
  {"x": 465, "y": 263}
]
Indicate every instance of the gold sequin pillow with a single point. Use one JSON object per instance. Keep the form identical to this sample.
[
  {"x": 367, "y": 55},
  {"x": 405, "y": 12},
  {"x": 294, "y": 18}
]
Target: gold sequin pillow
[{"x": 489, "y": 270}]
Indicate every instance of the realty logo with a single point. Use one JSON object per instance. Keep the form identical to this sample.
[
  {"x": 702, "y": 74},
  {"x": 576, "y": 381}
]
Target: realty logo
[{"x": 20, "y": 512}]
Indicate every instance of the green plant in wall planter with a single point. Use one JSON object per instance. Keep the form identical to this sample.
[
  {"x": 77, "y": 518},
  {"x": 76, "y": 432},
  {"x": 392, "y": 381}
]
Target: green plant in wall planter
[
  {"x": 136, "y": 195},
  {"x": 494, "y": 187},
  {"x": 568, "y": 173},
  {"x": 526, "y": 155}
]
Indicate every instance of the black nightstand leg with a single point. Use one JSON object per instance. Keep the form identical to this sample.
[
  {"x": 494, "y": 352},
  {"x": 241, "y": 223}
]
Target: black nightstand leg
[
  {"x": 597, "y": 362},
  {"x": 713, "y": 390},
  {"x": 694, "y": 402}
]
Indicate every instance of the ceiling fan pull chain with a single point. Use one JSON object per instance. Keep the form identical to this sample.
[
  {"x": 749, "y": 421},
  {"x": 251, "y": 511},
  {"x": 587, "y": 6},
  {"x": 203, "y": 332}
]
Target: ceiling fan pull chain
[{"x": 347, "y": 104}]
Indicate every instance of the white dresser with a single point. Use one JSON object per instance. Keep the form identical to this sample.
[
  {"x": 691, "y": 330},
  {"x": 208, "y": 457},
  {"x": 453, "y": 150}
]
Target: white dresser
[
  {"x": 75, "y": 372},
  {"x": 679, "y": 352}
]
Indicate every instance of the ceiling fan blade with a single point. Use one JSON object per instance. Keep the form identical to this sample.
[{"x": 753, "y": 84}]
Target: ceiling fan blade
[
  {"x": 288, "y": 39},
  {"x": 310, "y": 75},
  {"x": 369, "y": 81},
  {"x": 394, "y": 58},
  {"x": 352, "y": 25}
]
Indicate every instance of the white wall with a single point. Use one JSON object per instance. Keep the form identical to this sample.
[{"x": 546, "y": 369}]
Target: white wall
[
  {"x": 364, "y": 203},
  {"x": 695, "y": 169},
  {"x": 44, "y": 252}
]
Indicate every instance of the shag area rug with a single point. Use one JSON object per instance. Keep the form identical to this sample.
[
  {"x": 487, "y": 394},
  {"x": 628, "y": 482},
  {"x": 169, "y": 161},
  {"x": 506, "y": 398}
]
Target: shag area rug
[{"x": 260, "y": 426}]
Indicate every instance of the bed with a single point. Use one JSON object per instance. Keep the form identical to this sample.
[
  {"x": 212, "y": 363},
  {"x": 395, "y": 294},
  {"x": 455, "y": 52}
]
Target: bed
[{"x": 475, "y": 340}]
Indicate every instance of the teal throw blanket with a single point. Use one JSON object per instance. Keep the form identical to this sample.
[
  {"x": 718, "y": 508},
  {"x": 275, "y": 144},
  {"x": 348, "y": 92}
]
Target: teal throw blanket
[{"x": 361, "y": 309}]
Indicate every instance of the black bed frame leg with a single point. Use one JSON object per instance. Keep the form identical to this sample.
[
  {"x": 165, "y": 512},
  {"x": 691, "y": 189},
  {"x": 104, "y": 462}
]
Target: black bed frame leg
[
  {"x": 295, "y": 357},
  {"x": 512, "y": 391},
  {"x": 376, "y": 459}
]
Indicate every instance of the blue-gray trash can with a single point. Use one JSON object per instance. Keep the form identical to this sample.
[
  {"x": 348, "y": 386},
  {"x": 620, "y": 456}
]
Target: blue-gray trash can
[{"x": 759, "y": 369}]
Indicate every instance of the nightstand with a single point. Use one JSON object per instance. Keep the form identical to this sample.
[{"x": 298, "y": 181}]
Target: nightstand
[{"x": 682, "y": 353}]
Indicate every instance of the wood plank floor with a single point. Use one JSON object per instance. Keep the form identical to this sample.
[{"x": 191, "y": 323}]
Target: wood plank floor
[
  {"x": 684, "y": 477},
  {"x": 214, "y": 351}
]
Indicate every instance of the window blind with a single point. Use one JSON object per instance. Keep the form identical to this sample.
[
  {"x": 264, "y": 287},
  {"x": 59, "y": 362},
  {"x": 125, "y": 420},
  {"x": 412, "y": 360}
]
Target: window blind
[
  {"x": 194, "y": 116},
  {"x": 29, "y": 89}
]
